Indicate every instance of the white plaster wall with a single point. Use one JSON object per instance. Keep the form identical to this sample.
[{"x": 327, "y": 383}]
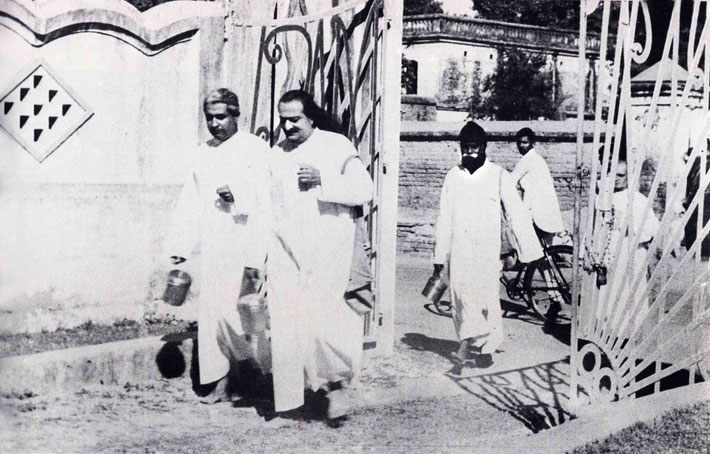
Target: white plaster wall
[
  {"x": 432, "y": 58},
  {"x": 567, "y": 71},
  {"x": 82, "y": 231},
  {"x": 451, "y": 115},
  {"x": 145, "y": 109}
]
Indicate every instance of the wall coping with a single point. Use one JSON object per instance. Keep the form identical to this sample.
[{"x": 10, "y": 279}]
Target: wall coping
[
  {"x": 44, "y": 21},
  {"x": 442, "y": 27},
  {"x": 416, "y": 99},
  {"x": 546, "y": 131}
]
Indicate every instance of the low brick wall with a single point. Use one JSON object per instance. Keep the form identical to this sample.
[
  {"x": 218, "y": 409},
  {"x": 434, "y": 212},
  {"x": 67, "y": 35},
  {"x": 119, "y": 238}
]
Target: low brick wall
[{"x": 429, "y": 149}]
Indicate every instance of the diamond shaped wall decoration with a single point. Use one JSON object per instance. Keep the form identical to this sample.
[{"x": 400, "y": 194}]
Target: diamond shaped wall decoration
[{"x": 40, "y": 111}]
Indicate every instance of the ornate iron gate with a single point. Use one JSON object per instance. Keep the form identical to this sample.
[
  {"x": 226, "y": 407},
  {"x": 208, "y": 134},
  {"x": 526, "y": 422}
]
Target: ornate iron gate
[
  {"x": 642, "y": 324},
  {"x": 336, "y": 55}
]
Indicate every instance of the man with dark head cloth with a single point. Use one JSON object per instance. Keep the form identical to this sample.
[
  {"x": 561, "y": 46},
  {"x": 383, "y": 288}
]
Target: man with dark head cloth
[
  {"x": 474, "y": 197},
  {"x": 225, "y": 207}
]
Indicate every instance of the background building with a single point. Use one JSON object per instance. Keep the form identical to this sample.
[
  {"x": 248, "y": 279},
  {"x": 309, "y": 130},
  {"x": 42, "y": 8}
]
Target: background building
[{"x": 449, "y": 56}]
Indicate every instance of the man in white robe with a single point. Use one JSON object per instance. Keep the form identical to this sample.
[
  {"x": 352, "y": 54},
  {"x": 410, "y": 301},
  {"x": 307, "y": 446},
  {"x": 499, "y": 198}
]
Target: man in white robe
[
  {"x": 317, "y": 180},
  {"x": 617, "y": 293},
  {"x": 473, "y": 198},
  {"x": 225, "y": 207},
  {"x": 533, "y": 179},
  {"x": 532, "y": 176}
]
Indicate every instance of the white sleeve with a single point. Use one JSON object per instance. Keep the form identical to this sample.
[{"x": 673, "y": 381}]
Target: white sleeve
[
  {"x": 184, "y": 232},
  {"x": 519, "y": 220},
  {"x": 444, "y": 225},
  {"x": 260, "y": 218},
  {"x": 352, "y": 187}
]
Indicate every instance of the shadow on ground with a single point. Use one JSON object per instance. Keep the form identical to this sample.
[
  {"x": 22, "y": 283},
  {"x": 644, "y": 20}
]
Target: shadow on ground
[
  {"x": 423, "y": 343},
  {"x": 532, "y": 395}
]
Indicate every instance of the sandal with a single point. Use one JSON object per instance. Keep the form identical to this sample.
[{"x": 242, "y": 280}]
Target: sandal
[{"x": 456, "y": 358}]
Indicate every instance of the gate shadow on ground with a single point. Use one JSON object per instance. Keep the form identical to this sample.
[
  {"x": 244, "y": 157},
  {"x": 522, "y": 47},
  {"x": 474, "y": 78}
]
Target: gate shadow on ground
[{"x": 533, "y": 395}]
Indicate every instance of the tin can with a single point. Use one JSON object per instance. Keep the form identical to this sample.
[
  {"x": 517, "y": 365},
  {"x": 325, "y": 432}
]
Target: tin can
[
  {"x": 601, "y": 276},
  {"x": 253, "y": 313},
  {"x": 434, "y": 288},
  {"x": 176, "y": 290}
]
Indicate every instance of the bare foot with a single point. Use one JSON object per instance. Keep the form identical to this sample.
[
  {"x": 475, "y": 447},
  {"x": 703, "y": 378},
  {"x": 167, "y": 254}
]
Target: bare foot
[
  {"x": 218, "y": 394},
  {"x": 340, "y": 403}
]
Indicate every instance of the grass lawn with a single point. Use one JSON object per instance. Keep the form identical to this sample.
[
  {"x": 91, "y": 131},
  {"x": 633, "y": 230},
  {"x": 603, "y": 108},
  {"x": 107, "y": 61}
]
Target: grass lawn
[
  {"x": 683, "y": 430},
  {"x": 86, "y": 334}
]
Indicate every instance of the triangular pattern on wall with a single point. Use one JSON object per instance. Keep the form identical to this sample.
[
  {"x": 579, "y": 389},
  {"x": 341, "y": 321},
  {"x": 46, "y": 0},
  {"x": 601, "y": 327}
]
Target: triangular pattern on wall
[{"x": 32, "y": 105}]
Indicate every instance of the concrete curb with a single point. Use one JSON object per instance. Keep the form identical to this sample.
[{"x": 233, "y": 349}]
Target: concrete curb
[{"x": 70, "y": 369}]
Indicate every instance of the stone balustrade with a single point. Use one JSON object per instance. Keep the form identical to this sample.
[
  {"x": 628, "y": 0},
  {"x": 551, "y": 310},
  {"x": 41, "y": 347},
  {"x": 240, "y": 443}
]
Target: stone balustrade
[{"x": 429, "y": 27}]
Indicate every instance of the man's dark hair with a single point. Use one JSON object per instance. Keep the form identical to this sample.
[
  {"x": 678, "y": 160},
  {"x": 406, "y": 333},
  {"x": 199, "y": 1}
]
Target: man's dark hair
[
  {"x": 473, "y": 133},
  {"x": 622, "y": 152},
  {"x": 223, "y": 96},
  {"x": 321, "y": 119},
  {"x": 526, "y": 132}
]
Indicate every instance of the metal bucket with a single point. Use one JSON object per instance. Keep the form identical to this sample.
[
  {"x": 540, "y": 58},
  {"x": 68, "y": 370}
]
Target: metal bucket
[
  {"x": 176, "y": 290},
  {"x": 434, "y": 288},
  {"x": 253, "y": 313}
]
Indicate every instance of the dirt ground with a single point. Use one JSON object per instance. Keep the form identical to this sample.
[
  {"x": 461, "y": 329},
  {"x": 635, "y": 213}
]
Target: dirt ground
[
  {"x": 410, "y": 403},
  {"x": 166, "y": 417}
]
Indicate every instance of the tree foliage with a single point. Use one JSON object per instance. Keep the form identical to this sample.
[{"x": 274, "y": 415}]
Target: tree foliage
[
  {"x": 453, "y": 86},
  {"x": 545, "y": 13},
  {"x": 414, "y": 7},
  {"x": 563, "y": 14},
  {"x": 143, "y": 5},
  {"x": 520, "y": 88}
]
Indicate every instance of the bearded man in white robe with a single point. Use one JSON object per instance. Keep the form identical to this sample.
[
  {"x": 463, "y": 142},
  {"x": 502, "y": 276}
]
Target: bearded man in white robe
[
  {"x": 225, "y": 207},
  {"x": 468, "y": 230},
  {"x": 317, "y": 180}
]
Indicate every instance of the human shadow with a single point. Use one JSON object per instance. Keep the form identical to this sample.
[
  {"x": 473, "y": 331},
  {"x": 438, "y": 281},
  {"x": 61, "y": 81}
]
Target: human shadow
[
  {"x": 532, "y": 395},
  {"x": 423, "y": 343},
  {"x": 560, "y": 331},
  {"x": 518, "y": 311},
  {"x": 170, "y": 359},
  {"x": 510, "y": 310}
]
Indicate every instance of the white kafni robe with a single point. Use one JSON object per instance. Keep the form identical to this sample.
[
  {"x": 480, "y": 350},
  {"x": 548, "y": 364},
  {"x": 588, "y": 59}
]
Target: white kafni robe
[
  {"x": 315, "y": 336},
  {"x": 468, "y": 234},
  {"x": 231, "y": 236},
  {"x": 619, "y": 285},
  {"x": 532, "y": 176}
]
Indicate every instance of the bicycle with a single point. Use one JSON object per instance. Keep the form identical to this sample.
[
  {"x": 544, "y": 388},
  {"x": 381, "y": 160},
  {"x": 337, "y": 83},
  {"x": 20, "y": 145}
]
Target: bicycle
[{"x": 545, "y": 284}]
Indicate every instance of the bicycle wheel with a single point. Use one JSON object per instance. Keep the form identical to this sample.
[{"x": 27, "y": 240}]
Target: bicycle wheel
[{"x": 546, "y": 285}]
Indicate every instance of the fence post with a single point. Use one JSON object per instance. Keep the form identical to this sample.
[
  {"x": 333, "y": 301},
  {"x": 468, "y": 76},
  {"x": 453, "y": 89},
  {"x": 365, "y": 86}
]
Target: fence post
[{"x": 390, "y": 124}]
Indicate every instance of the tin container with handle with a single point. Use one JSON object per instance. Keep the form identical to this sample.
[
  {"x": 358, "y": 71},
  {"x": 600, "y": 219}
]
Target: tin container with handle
[
  {"x": 176, "y": 290},
  {"x": 435, "y": 288},
  {"x": 253, "y": 313}
]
